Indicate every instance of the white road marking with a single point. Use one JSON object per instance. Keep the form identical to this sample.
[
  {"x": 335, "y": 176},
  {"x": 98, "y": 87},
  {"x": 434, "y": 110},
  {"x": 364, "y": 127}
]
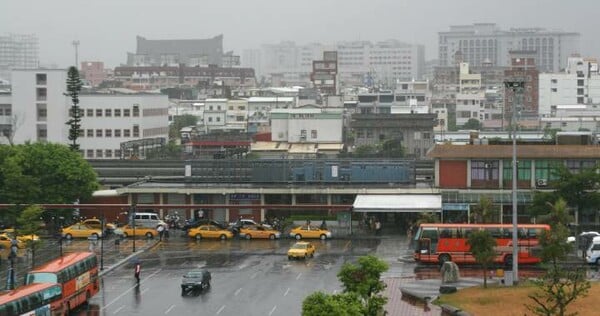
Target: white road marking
[
  {"x": 298, "y": 277},
  {"x": 130, "y": 289},
  {"x": 118, "y": 309},
  {"x": 286, "y": 292},
  {"x": 272, "y": 310},
  {"x": 169, "y": 309},
  {"x": 237, "y": 292},
  {"x": 254, "y": 275},
  {"x": 220, "y": 310}
]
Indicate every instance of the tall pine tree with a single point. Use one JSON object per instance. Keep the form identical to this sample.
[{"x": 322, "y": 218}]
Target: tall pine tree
[{"x": 73, "y": 88}]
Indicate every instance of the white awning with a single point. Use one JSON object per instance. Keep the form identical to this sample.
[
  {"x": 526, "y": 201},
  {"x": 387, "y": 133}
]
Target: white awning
[{"x": 402, "y": 203}]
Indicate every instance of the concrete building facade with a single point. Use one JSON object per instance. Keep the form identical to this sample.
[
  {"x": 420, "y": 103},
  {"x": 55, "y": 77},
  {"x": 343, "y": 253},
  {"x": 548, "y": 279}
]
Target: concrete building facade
[{"x": 18, "y": 51}]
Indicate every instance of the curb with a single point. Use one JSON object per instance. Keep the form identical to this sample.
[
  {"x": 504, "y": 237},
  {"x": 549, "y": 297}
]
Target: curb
[{"x": 126, "y": 259}]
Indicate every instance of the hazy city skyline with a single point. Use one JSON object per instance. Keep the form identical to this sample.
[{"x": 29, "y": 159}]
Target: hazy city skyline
[{"x": 107, "y": 29}]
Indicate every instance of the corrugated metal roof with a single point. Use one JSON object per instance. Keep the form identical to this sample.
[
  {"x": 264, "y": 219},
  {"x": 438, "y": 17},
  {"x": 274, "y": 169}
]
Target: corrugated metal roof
[
  {"x": 523, "y": 151},
  {"x": 303, "y": 149}
]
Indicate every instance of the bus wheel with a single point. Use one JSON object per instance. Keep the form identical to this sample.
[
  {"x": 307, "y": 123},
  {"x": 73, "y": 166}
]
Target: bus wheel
[
  {"x": 68, "y": 236},
  {"x": 444, "y": 258},
  {"x": 223, "y": 237},
  {"x": 508, "y": 260},
  {"x": 149, "y": 235}
]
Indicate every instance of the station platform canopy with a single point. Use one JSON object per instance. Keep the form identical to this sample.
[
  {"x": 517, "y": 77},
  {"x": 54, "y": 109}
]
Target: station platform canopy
[{"x": 399, "y": 203}]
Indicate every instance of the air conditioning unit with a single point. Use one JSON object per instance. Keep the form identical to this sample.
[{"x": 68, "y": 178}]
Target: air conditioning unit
[{"x": 542, "y": 182}]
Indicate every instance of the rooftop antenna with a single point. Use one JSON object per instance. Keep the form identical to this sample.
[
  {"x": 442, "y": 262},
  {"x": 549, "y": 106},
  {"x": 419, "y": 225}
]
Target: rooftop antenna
[{"x": 76, "y": 46}]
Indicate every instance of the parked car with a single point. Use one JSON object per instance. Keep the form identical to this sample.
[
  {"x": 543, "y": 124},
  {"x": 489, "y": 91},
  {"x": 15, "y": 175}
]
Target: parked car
[
  {"x": 209, "y": 231},
  {"x": 308, "y": 231},
  {"x": 302, "y": 250},
  {"x": 140, "y": 231},
  {"x": 96, "y": 223},
  {"x": 10, "y": 232},
  {"x": 202, "y": 221},
  {"x": 256, "y": 231},
  {"x": 146, "y": 219},
  {"x": 195, "y": 282},
  {"x": 80, "y": 231},
  {"x": 6, "y": 242}
]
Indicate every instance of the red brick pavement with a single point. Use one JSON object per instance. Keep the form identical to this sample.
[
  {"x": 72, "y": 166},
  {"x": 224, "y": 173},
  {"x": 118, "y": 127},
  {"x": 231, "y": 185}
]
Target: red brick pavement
[{"x": 396, "y": 306}]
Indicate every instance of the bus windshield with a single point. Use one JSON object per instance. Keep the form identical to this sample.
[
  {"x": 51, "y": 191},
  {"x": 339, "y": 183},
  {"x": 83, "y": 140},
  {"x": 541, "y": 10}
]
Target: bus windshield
[{"x": 41, "y": 277}]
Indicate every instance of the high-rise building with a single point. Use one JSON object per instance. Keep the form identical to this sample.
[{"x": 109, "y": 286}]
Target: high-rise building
[
  {"x": 18, "y": 51},
  {"x": 483, "y": 42}
]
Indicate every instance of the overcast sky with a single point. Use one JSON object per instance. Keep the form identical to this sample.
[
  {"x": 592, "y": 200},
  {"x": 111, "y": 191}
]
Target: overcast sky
[{"x": 106, "y": 29}]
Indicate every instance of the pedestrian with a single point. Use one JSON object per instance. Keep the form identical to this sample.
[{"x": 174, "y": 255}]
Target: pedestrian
[
  {"x": 137, "y": 271},
  {"x": 166, "y": 232},
  {"x": 377, "y": 227},
  {"x": 323, "y": 225},
  {"x": 161, "y": 230}
]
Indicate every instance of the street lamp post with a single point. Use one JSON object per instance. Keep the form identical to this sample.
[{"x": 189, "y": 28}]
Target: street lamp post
[{"x": 516, "y": 86}]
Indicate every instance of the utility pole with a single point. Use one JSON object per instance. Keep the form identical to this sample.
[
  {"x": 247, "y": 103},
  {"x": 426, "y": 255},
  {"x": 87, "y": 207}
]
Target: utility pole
[
  {"x": 517, "y": 87},
  {"x": 76, "y": 46}
]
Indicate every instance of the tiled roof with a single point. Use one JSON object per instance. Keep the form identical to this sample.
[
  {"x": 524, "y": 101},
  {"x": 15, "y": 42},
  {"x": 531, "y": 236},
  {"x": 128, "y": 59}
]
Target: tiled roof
[{"x": 523, "y": 151}]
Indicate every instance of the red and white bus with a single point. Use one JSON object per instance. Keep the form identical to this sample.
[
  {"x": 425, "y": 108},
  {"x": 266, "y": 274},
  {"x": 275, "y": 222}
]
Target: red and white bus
[
  {"x": 438, "y": 243},
  {"x": 76, "y": 273},
  {"x": 40, "y": 299}
]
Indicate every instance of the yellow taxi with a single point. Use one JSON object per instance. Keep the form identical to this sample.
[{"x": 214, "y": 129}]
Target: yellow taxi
[
  {"x": 149, "y": 232},
  {"x": 6, "y": 241},
  {"x": 10, "y": 232},
  {"x": 255, "y": 231},
  {"x": 80, "y": 231},
  {"x": 308, "y": 231},
  {"x": 301, "y": 249},
  {"x": 209, "y": 231},
  {"x": 96, "y": 223}
]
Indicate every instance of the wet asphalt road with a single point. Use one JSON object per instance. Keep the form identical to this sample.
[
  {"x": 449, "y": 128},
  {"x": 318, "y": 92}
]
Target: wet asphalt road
[{"x": 249, "y": 277}]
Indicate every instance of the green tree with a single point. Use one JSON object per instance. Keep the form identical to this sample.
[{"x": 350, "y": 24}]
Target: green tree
[
  {"x": 472, "y": 124},
  {"x": 364, "y": 279},
  {"x": 29, "y": 223},
  {"x": 43, "y": 173},
  {"x": 179, "y": 122},
  {"x": 365, "y": 151},
  {"x": 321, "y": 304},
  {"x": 484, "y": 211},
  {"x": 559, "y": 286},
  {"x": 580, "y": 190},
  {"x": 482, "y": 245},
  {"x": 73, "y": 88}
]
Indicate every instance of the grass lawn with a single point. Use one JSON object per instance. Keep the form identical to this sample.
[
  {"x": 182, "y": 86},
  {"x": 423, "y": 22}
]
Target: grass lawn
[{"x": 500, "y": 300}]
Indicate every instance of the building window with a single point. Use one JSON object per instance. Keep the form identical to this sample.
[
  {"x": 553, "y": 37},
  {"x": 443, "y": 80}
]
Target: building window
[
  {"x": 107, "y": 133},
  {"x": 553, "y": 90},
  {"x": 369, "y": 134},
  {"x": 117, "y": 133},
  {"x": 108, "y": 153},
  {"x": 90, "y": 153},
  {"x": 40, "y": 79},
  {"x": 98, "y": 153},
  {"x": 523, "y": 170},
  {"x": 136, "y": 131},
  {"x": 90, "y": 133},
  {"x": 546, "y": 169},
  {"x": 81, "y": 133},
  {"x": 42, "y": 113},
  {"x": 302, "y": 135},
  {"x": 136, "y": 110},
  {"x": 42, "y": 132},
  {"x": 313, "y": 133},
  {"x": 426, "y": 135},
  {"x": 218, "y": 119},
  {"x": 579, "y": 91},
  {"x": 580, "y": 82},
  {"x": 98, "y": 133},
  {"x": 98, "y": 112},
  {"x": 41, "y": 94},
  {"x": 484, "y": 170},
  {"x": 90, "y": 113},
  {"x": 126, "y": 133},
  {"x": 117, "y": 112},
  {"x": 108, "y": 112},
  {"x": 210, "y": 119},
  {"x": 579, "y": 100},
  {"x": 117, "y": 153},
  {"x": 126, "y": 112}
]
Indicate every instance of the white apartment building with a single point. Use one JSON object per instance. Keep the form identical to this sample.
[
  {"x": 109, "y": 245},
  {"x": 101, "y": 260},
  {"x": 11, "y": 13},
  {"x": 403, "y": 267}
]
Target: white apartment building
[
  {"x": 215, "y": 114},
  {"x": 306, "y": 125},
  {"x": 40, "y": 110},
  {"x": 578, "y": 84},
  {"x": 110, "y": 120},
  {"x": 259, "y": 110},
  {"x": 486, "y": 41},
  {"x": 573, "y": 117},
  {"x": 237, "y": 115},
  {"x": 412, "y": 97},
  {"x": 469, "y": 106}
]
